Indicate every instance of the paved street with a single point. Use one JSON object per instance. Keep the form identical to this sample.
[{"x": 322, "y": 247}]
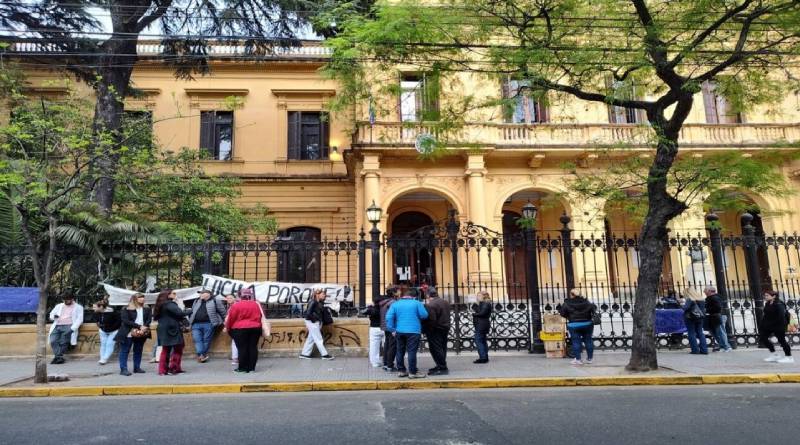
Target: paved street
[
  {"x": 725, "y": 414},
  {"x": 502, "y": 365}
]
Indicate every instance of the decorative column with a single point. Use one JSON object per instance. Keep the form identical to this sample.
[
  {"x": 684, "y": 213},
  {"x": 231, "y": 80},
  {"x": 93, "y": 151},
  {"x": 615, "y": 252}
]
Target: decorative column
[
  {"x": 371, "y": 172},
  {"x": 475, "y": 171}
]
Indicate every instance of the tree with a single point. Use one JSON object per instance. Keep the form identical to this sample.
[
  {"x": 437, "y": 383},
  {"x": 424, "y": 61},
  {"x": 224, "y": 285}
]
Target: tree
[
  {"x": 73, "y": 31},
  {"x": 46, "y": 159},
  {"x": 648, "y": 56}
]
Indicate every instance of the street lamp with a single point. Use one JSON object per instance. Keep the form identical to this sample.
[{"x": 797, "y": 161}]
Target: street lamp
[
  {"x": 529, "y": 213},
  {"x": 374, "y": 214}
]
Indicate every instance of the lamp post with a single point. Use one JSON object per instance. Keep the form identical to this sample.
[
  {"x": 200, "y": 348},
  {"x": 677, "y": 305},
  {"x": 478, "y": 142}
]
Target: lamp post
[
  {"x": 529, "y": 213},
  {"x": 374, "y": 216},
  {"x": 334, "y": 155}
]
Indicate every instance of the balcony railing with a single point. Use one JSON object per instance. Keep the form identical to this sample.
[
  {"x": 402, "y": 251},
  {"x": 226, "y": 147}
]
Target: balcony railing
[
  {"x": 215, "y": 49},
  {"x": 577, "y": 135}
]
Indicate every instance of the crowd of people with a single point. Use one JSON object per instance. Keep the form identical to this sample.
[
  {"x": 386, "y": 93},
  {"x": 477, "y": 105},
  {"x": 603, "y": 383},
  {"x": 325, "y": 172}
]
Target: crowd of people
[{"x": 397, "y": 322}]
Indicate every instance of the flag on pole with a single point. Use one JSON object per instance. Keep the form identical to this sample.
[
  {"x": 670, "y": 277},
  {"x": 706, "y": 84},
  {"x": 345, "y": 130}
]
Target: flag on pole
[{"x": 371, "y": 112}]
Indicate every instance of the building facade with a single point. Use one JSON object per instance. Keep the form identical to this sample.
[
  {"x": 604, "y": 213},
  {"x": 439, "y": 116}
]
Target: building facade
[{"x": 265, "y": 122}]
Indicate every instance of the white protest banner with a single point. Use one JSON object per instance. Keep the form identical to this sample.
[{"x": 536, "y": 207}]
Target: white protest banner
[
  {"x": 276, "y": 292},
  {"x": 120, "y": 297}
]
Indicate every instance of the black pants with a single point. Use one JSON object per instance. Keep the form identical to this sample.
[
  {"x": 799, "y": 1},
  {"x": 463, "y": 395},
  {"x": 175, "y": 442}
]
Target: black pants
[
  {"x": 247, "y": 343},
  {"x": 780, "y": 335},
  {"x": 389, "y": 349},
  {"x": 437, "y": 344}
]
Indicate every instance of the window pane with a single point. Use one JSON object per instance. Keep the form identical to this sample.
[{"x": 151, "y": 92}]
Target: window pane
[
  {"x": 409, "y": 99},
  {"x": 224, "y": 142}
]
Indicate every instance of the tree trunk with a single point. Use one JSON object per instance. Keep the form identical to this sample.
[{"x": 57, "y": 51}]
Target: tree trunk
[
  {"x": 40, "y": 374},
  {"x": 107, "y": 128},
  {"x": 111, "y": 88},
  {"x": 662, "y": 207}
]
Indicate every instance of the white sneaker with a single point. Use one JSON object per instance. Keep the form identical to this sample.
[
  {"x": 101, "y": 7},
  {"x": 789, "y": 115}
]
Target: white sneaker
[
  {"x": 100, "y": 362},
  {"x": 789, "y": 359},
  {"x": 588, "y": 361},
  {"x": 773, "y": 358},
  {"x": 728, "y": 350},
  {"x": 575, "y": 362}
]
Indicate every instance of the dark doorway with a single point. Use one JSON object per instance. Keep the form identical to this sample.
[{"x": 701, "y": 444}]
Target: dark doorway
[
  {"x": 412, "y": 253},
  {"x": 514, "y": 257},
  {"x": 299, "y": 260}
]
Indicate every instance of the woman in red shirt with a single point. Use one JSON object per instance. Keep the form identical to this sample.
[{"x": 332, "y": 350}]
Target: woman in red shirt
[{"x": 244, "y": 326}]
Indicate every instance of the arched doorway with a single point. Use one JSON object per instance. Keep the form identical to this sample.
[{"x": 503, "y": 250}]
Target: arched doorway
[
  {"x": 412, "y": 257},
  {"x": 550, "y": 266},
  {"x": 514, "y": 257},
  {"x": 729, "y": 206}
]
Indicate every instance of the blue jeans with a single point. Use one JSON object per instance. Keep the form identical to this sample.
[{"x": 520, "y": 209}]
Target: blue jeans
[
  {"x": 719, "y": 333},
  {"x": 124, "y": 349},
  {"x": 481, "y": 345},
  {"x": 106, "y": 345},
  {"x": 202, "y": 334},
  {"x": 410, "y": 343},
  {"x": 582, "y": 336},
  {"x": 697, "y": 338}
]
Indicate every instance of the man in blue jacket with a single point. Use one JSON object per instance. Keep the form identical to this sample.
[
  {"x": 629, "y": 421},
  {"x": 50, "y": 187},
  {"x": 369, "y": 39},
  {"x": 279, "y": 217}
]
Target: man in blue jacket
[{"x": 404, "y": 320}]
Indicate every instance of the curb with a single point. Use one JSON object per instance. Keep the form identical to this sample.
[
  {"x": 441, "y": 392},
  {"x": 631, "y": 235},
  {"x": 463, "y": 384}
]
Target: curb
[{"x": 384, "y": 385}]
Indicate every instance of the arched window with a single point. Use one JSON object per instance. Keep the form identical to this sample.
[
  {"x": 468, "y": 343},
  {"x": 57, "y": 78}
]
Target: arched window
[{"x": 300, "y": 259}]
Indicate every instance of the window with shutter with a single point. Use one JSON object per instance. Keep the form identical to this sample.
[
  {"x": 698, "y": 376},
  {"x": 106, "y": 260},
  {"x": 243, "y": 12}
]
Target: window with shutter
[
  {"x": 299, "y": 259},
  {"x": 624, "y": 115},
  {"x": 308, "y": 134},
  {"x": 717, "y": 107},
  {"x": 523, "y": 108},
  {"x": 216, "y": 134}
]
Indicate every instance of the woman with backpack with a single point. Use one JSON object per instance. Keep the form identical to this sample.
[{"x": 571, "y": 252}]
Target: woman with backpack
[
  {"x": 579, "y": 313},
  {"x": 774, "y": 322},
  {"x": 693, "y": 316}
]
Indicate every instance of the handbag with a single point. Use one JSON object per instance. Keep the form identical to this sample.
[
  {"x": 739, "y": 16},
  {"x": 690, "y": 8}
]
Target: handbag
[
  {"x": 185, "y": 325},
  {"x": 266, "y": 326},
  {"x": 695, "y": 313}
]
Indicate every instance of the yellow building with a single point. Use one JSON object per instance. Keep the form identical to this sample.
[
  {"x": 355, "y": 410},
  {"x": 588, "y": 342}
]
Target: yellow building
[{"x": 283, "y": 146}]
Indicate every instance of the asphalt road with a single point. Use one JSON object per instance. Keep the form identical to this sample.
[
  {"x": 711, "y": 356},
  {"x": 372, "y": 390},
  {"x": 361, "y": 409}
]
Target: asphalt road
[{"x": 737, "y": 414}]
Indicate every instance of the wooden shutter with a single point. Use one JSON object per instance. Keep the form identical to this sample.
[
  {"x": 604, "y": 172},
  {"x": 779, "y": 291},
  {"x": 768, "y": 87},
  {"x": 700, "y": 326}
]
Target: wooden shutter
[
  {"x": 507, "y": 108},
  {"x": 710, "y": 103},
  {"x": 430, "y": 91},
  {"x": 324, "y": 132},
  {"x": 293, "y": 149},
  {"x": 207, "y": 136}
]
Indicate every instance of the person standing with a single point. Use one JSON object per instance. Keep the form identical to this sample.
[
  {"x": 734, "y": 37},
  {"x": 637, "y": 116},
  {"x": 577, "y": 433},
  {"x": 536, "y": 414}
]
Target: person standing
[
  {"x": 229, "y": 300},
  {"x": 133, "y": 332},
  {"x": 244, "y": 326},
  {"x": 579, "y": 312},
  {"x": 693, "y": 316},
  {"x": 170, "y": 335},
  {"x": 404, "y": 320},
  {"x": 376, "y": 335},
  {"x": 389, "y": 344},
  {"x": 315, "y": 316},
  {"x": 67, "y": 318},
  {"x": 716, "y": 322},
  {"x": 437, "y": 326},
  {"x": 208, "y": 313},
  {"x": 774, "y": 322},
  {"x": 108, "y": 323},
  {"x": 481, "y": 320}
]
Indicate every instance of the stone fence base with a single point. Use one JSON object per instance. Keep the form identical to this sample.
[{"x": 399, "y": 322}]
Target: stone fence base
[{"x": 347, "y": 336}]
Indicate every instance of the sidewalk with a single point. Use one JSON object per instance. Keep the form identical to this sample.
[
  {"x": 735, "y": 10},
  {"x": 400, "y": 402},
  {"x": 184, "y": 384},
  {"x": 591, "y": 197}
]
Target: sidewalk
[{"x": 675, "y": 366}]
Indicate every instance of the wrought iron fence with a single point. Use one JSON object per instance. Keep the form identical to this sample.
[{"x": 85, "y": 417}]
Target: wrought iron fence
[{"x": 527, "y": 273}]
